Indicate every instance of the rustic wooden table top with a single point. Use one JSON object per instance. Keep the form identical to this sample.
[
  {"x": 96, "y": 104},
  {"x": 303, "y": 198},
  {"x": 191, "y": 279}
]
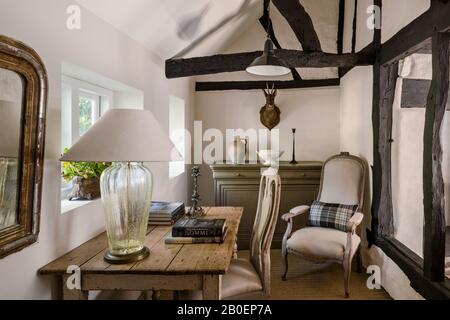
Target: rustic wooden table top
[{"x": 167, "y": 259}]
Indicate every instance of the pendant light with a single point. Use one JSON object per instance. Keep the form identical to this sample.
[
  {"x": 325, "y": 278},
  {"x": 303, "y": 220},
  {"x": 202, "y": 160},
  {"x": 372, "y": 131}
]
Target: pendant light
[{"x": 268, "y": 64}]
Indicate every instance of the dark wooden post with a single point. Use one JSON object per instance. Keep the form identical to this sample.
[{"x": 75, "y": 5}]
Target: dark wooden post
[
  {"x": 433, "y": 184},
  {"x": 385, "y": 78}
]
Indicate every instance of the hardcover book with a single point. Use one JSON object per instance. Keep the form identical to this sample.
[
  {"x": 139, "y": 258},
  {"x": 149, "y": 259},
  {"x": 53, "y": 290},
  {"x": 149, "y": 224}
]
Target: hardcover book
[
  {"x": 165, "y": 213},
  {"x": 198, "y": 228},
  {"x": 191, "y": 240}
]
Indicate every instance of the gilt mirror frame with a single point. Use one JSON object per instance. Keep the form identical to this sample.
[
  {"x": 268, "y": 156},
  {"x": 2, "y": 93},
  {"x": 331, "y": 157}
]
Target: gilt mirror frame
[{"x": 20, "y": 58}]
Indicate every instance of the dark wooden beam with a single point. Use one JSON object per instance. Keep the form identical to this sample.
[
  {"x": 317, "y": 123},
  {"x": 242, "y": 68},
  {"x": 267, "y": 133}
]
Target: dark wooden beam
[
  {"x": 266, "y": 23},
  {"x": 253, "y": 85},
  {"x": 355, "y": 19},
  {"x": 176, "y": 68},
  {"x": 369, "y": 50},
  {"x": 415, "y": 93},
  {"x": 341, "y": 22},
  {"x": 385, "y": 78},
  {"x": 433, "y": 183},
  {"x": 300, "y": 22},
  {"x": 412, "y": 265},
  {"x": 412, "y": 37},
  {"x": 340, "y": 33}
]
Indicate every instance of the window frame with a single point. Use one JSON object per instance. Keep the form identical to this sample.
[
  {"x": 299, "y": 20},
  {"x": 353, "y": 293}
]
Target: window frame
[{"x": 71, "y": 91}]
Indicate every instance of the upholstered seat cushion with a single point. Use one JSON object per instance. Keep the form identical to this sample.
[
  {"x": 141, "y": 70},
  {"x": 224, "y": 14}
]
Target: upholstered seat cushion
[
  {"x": 240, "y": 282},
  {"x": 241, "y": 278},
  {"x": 321, "y": 243}
]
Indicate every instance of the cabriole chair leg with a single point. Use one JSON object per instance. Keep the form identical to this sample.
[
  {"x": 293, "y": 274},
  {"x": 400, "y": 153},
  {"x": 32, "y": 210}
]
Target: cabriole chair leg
[
  {"x": 347, "y": 272},
  {"x": 285, "y": 266}
]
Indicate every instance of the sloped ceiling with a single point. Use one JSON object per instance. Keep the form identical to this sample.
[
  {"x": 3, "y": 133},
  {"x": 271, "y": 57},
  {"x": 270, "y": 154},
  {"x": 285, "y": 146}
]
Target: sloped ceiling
[
  {"x": 166, "y": 27},
  {"x": 206, "y": 27}
]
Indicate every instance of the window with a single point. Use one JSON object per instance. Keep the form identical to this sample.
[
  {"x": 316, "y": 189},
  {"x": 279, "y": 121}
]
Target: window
[
  {"x": 82, "y": 104},
  {"x": 177, "y": 133}
]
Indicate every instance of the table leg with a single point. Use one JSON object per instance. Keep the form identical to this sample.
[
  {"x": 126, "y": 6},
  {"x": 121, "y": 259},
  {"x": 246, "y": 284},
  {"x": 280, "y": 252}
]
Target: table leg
[
  {"x": 72, "y": 294},
  {"x": 211, "y": 287},
  {"x": 235, "y": 250}
]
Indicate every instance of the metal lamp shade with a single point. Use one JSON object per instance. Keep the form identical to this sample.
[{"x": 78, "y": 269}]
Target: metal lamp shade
[{"x": 268, "y": 64}]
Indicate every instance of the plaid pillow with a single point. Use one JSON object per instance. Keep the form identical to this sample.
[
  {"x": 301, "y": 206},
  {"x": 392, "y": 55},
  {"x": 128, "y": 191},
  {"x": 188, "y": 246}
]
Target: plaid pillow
[{"x": 330, "y": 215}]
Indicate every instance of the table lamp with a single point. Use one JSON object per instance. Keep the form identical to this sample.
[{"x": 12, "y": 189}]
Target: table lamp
[{"x": 127, "y": 138}]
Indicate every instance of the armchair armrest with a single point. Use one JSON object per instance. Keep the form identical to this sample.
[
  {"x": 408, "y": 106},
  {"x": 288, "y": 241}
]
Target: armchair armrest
[
  {"x": 354, "y": 221},
  {"x": 295, "y": 212}
]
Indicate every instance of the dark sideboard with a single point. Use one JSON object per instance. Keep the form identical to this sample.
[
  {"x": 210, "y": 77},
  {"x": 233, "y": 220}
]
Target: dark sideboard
[{"x": 238, "y": 185}]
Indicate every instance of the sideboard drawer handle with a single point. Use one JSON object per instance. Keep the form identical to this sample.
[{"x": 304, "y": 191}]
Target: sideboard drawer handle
[{"x": 238, "y": 175}]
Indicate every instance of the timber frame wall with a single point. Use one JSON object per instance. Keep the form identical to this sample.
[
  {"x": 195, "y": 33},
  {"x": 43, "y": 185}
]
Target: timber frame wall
[{"x": 427, "y": 275}]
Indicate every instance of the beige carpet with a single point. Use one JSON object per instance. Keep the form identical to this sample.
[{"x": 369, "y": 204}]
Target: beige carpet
[{"x": 309, "y": 281}]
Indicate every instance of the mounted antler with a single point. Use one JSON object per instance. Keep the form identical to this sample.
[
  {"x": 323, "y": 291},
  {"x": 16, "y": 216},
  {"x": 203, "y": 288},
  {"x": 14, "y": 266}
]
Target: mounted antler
[{"x": 270, "y": 113}]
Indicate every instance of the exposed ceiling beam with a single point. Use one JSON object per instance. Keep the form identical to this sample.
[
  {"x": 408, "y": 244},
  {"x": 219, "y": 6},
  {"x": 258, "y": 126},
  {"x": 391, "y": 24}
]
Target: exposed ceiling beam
[
  {"x": 355, "y": 16},
  {"x": 176, "y": 68},
  {"x": 372, "y": 48},
  {"x": 266, "y": 23},
  {"x": 341, "y": 21},
  {"x": 254, "y": 85},
  {"x": 300, "y": 22},
  {"x": 340, "y": 32}
]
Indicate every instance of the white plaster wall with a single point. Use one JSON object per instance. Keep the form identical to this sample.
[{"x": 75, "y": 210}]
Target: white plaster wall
[
  {"x": 398, "y": 13},
  {"x": 364, "y": 35},
  {"x": 102, "y": 49},
  {"x": 314, "y": 112}
]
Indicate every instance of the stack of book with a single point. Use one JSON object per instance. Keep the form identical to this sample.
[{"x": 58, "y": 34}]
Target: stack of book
[
  {"x": 198, "y": 231},
  {"x": 165, "y": 213}
]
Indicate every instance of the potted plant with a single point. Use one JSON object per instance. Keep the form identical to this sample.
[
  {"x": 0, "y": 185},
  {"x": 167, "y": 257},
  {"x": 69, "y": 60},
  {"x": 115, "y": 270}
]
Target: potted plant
[{"x": 85, "y": 177}]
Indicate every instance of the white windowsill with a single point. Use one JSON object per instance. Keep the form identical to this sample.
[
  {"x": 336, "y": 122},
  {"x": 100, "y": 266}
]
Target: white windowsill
[{"x": 67, "y": 206}]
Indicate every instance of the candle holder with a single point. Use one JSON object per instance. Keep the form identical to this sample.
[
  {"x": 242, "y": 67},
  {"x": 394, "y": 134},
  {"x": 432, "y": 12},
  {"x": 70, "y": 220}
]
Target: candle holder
[
  {"x": 195, "y": 210},
  {"x": 293, "y": 147}
]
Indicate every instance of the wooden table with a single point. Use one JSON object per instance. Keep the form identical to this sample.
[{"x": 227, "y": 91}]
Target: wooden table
[{"x": 169, "y": 266}]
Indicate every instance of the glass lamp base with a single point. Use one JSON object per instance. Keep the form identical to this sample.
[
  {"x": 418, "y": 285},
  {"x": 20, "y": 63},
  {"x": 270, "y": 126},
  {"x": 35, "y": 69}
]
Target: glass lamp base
[
  {"x": 126, "y": 189},
  {"x": 127, "y": 258}
]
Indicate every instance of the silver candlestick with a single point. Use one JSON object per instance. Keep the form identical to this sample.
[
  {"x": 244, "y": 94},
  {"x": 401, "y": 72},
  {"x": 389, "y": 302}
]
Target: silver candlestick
[{"x": 195, "y": 210}]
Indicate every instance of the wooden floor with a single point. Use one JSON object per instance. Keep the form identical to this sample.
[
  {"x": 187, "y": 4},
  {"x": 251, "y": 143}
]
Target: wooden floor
[{"x": 309, "y": 281}]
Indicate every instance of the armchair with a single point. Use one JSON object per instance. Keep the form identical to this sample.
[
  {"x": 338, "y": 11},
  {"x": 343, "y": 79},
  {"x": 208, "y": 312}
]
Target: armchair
[{"x": 342, "y": 181}]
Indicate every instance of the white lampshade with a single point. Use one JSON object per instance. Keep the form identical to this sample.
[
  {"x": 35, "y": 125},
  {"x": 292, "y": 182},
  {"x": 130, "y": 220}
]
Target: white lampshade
[{"x": 123, "y": 135}]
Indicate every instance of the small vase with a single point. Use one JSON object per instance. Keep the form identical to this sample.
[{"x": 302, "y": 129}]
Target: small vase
[{"x": 237, "y": 151}]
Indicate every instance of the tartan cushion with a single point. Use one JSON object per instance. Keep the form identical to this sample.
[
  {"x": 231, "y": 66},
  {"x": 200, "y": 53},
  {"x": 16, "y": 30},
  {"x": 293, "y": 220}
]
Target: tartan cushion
[{"x": 330, "y": 215}]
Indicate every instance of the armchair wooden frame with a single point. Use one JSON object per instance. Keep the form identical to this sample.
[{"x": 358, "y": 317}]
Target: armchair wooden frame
[{"x": 352, "y": 226}]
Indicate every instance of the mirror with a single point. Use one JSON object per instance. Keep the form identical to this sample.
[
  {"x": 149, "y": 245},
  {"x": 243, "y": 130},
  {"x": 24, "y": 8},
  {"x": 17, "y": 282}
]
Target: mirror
[
  {"x": 11, "y": 101},
  {"x": 23, "y": 97}
]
